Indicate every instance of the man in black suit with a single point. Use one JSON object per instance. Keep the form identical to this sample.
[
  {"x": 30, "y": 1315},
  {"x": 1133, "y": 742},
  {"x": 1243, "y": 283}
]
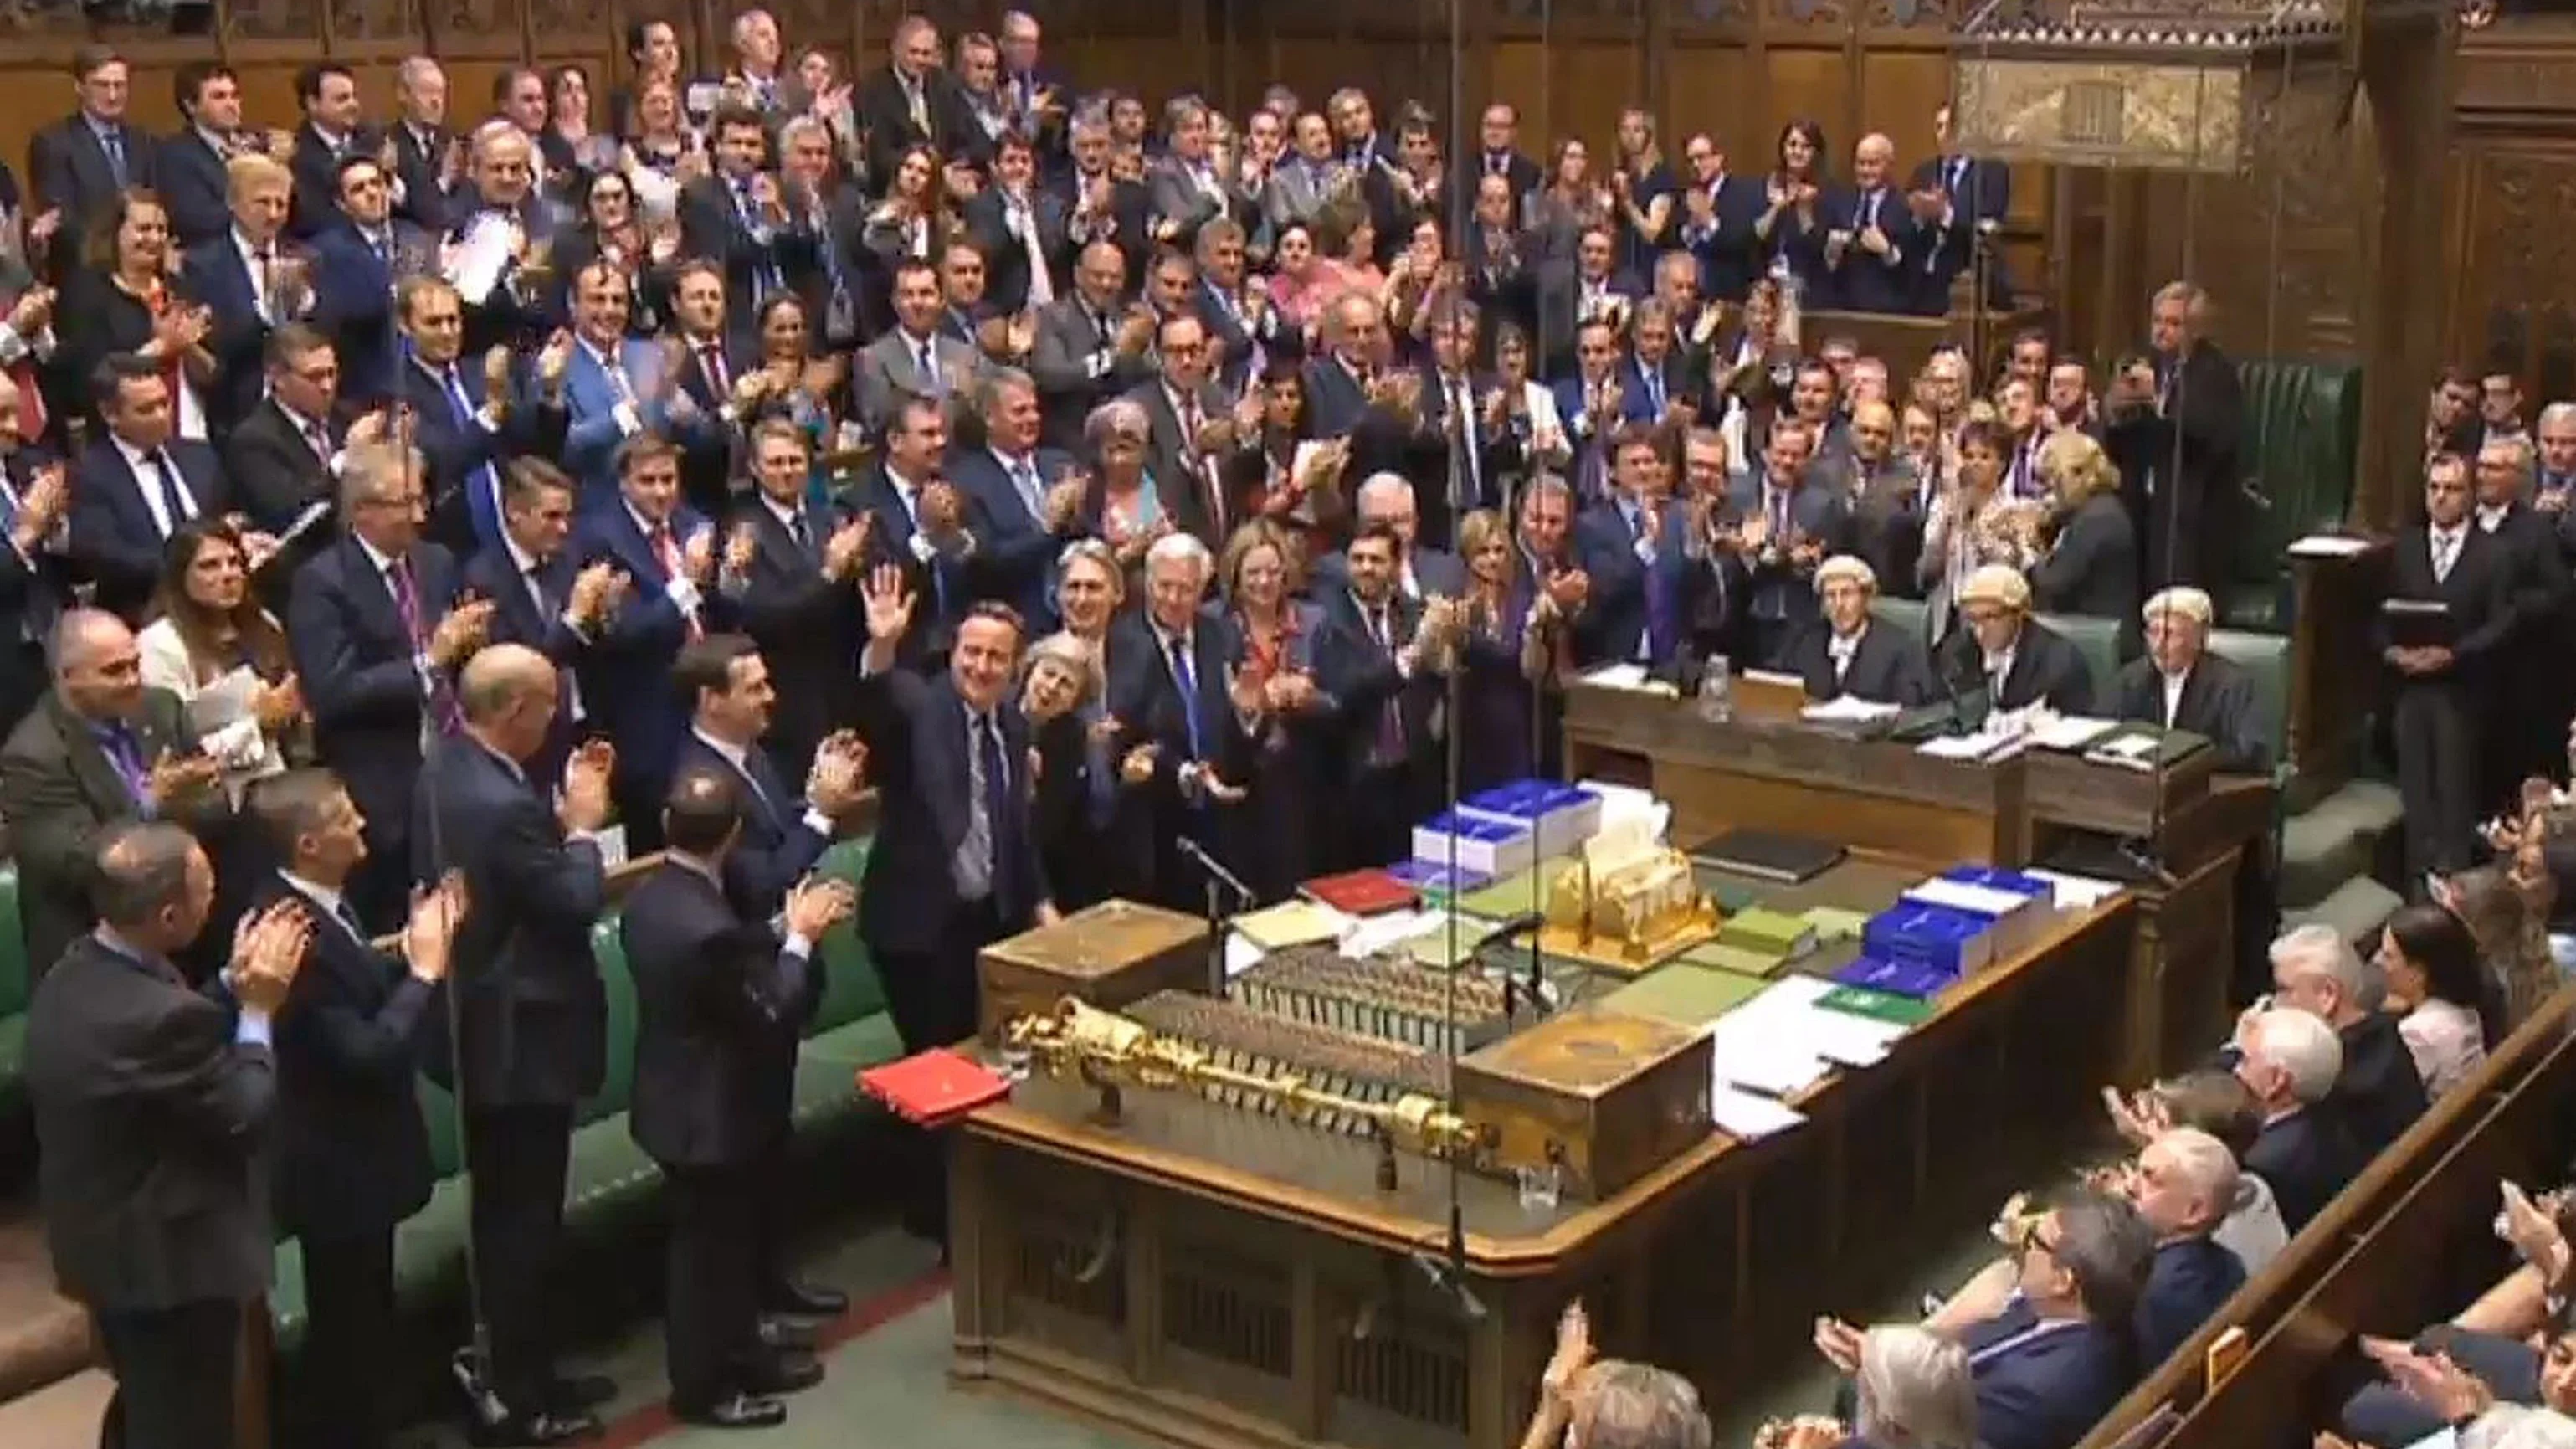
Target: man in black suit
[
  {"x": 1872, "y": 240},
  {"x": 1719, "y": 212},
  {"x": 1371, "y": 662},
  {"x": 719, "y": 1002},
  {"x": 2289, "y": 1060},
  {"x": 914, "y": 102},
  {"x": 531, "y": 1015},
  {"x": 352, "y": 1153},
  {"x": 918, "y": 524},
  {"x": 427, "y": 158},
  {"x": 467, "y": 418},
  {"x": 1020, "y": 230},
  {"x": 137, "y": 486},
  {"x": 332, "y": 132},
  {"x": 2181, "y": 685},
  {"x": 796, "y": 591},
  {"x": 739, "y": 215},
  {"x": 2173, "y": 425},
  {"x": 544, "y": 596},
  {"x": 188, "y": 164},
  {"x": 2017, "y": 661},
  {"x": 2441, "y": 687},
  {"x": 281, "y": 454},
  {"x": 79, "y": 164},
  {"x": 1975, "y": 196},
  {"x": 956, "y": 867},
  {"x": 731, "y": 695},
  {"x": 2525, "y": 734},
  {"x": 1167, "y": 666},
  {"x": 1090, "y": 347},
  {"x": 1498, "y": 153},
  {"x": 2377, "y": 1093},
  {"x": 720, "y": 357},
  {"x": 1180, "y": 404},
  {"x": 1421, "y": 572},
  {"x": 378, "y": 626},
  {"x": 99, "y": 750},
  {"x": 1019, "y": 519},
  {"x": 35, "y": 493},
  {"x": 1848, "y": 653},
  {"x": 153, "y": 1105}
]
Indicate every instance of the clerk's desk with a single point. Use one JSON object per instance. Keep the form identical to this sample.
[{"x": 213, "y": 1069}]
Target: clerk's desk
[{"x": 1766, "y": 770}]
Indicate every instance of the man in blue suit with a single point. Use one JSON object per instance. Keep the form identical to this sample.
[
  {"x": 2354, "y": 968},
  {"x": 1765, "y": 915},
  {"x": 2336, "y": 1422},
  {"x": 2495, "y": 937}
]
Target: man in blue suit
[
  {"x": 80, "y": 163},
  {"x": 378, "y": 628},
  {"x": 545, "y": 597},
  {"x": 137, "y": 486},
  {"x": 1633, "y": 548},
  {"x": 669, "y": 551},
  {"x": 358, "y": 261},
  {"x": 919, "y": 526},
  {"x": 468, "y": 417},
  {"x": 1873, "y": 244},
  {"x": 2059, "y": 1354},
  {"x": 188, "y": 165},
  {"x": 788, "y": 822},
  {"x": 1719, "y": 213},
  {"x": 1787, "y": 526},
  {"x": 796, "y": 592},
  {"x": 2184, "y": 1185},
  {"x": 1009, "y": 482},
  {"x": 250, "y": 281},
  {"x": 617, "y": 388}
]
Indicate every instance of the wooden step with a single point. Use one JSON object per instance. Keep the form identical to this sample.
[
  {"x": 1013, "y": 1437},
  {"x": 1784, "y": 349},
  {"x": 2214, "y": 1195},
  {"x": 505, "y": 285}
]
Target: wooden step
[{"x": 62, "y": 1415}]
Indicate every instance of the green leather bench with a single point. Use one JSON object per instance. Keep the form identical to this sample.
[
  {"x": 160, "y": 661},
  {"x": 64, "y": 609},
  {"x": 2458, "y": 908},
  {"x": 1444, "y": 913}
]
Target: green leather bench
[
  {"x": 14, "y": 990},
  {"x": 2297, "y": 453},
  {"x": 611, "y": 1182}
]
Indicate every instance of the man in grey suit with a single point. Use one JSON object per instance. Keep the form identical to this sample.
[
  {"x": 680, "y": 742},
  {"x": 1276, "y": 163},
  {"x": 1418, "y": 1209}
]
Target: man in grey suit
[
  {"x": 1182, "y": 404},
  {"x": 1305, "y": 178},
  {"x": 1090, "y": 346},
  {"x": 914, "y": 360},
  {"x": 1790, "y": 525}
]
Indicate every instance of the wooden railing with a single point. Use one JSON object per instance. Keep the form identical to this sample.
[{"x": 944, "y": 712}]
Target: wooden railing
[{"x": 2384, "y": 1257}]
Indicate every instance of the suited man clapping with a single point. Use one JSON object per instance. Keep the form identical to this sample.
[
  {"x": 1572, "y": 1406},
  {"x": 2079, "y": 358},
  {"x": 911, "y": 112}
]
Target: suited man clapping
[{"x": 153, "y": 1105}]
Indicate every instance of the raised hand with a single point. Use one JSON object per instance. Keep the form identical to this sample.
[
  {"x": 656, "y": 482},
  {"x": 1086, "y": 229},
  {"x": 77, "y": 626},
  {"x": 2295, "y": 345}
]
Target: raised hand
[
  {"x": 460, "y": 632},
  {"x": 847, "y": 545},
  {"x": 496, "y": 372},
  {"x": 592, "y": 589},
  {"x": 888, "y": 603},
  {"x": 41, "y": 506},
  {"x": 838, "y": 778},
  {"x": 585, "y": 787},
  {"x": 1138, "y": 766},
  {"x": 816, "y": 905}
]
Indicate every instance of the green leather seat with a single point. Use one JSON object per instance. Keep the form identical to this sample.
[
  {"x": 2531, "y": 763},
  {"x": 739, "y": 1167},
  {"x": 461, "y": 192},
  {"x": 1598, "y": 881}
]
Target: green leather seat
[
  {"x": 609, "y": 1173},
  {"x": 2297, "y": 452},
  {"x": 1906, "y": 615},
  {"x": 2265, "y": 658},
  {"x": 14, "y": 989},
  {"x": 851, "y": 989},
  {"x": 2098, "y": 640}
]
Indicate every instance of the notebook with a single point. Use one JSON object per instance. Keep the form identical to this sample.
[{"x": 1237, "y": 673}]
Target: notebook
[
  {"x": 932, "y": 1088},
  {"x": 1767, "y": 855},
  {"x": 1361, "y": 892}
]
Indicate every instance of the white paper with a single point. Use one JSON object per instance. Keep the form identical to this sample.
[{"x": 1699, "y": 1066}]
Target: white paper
[
  {"x": 2329, "y": 545},
  {"x": 1748, "y": 1115},
  {"x": 1618, "y": 676},
  {"x": 2070, "y": 731},
  {"x": 490, "y": 242},
  {"x": 1241, "y": 954},
  {"x": 1849, "y": 709},
  {"x": 2074, "y": 892},
  {"x": 1976, "y": 900},
  {"x": 1372, "y": 934},
  {"x": 1774, "y": 678}
]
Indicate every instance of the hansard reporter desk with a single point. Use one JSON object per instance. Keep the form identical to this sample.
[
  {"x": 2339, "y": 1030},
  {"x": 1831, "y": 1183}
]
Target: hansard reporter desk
[
  {"x": 1213, "y": 1277},
  {"x": 1764, "y": 770}
]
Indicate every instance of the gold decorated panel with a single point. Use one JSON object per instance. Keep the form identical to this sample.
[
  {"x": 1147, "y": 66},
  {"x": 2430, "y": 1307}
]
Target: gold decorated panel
[{"x": 2091, "y": 114}]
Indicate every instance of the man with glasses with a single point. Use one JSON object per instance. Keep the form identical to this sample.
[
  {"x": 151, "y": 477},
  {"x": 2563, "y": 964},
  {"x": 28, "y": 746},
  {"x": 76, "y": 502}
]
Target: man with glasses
[
  {"x": 357, "y": 264},
  {"x": 282, "y": 455}
]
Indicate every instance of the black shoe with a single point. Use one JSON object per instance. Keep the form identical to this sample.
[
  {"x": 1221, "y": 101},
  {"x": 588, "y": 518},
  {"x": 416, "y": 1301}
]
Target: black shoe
[
  {"x": 805, "y": 1300},
  {"x": 741, "y": 1411},
  {"x": 781, "y": 1333},
  {"x": 782, "y": 1373},
  {"x": 580, "y": 1393},
  {"x": 533, "y": 1429}
]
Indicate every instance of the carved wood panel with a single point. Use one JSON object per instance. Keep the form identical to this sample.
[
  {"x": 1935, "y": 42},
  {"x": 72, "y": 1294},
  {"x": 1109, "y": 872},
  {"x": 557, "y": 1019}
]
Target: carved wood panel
[{"x": 2519, "y": 265}]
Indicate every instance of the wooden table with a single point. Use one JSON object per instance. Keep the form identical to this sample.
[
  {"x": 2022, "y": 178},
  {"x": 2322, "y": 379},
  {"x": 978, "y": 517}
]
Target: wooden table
[
  {"x": 1214, "y": 1277},
  {"x": 1766, "y": 770}
]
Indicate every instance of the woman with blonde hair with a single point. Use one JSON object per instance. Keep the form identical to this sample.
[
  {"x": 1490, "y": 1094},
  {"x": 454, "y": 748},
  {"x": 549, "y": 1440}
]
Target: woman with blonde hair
[
  {"x": 2091, "y": 567},
  {"x": 1273, "y": 641},
  {"x": 2508, "y": 914},
  {"x": 1513, "y": 646},
  {"x": 1080, "y": 813}
]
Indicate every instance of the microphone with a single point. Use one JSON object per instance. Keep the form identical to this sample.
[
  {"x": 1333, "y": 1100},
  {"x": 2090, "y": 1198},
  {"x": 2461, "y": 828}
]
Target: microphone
[{"x": 1198, "y": 854}]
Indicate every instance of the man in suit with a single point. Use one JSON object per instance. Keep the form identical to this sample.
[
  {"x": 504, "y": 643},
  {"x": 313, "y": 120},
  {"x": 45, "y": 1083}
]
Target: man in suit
[
  {"x": 378, "y": 626},
  {"x": 79, "y": 164},
  {"x": 1370, "y": 662},
  {"x": 957, "y": 867},
  {"x": 98, "y": 750},
  {"x": 1308, "y": 176},
  {"x": 137, "y": 486},
  {"x": 1848, "y": 653},
  {"x": 153, "y": 1106},
  {"x": 1102, "y": 205},
  {"x": 35, "y": 495},
  {"x": 738, "y": 215},
  {"x": 1498, "y": 153},
  {"x": 358, "y": 263},
  {"x": 1180, "y": 405},
  {"x": 468, "y": 420},
  {"x": 1787, "y": 523},
  {"x": 2004, "y": 652},
  {"x": 1587, "y": 290},
  {"x": 2442, "y": 687},
  {"x": 531, "y": 1019},
  {"x": 1247, "y": 329},
  {"x": 1184, "y": 188},
  {"x": 544, "y": 596},
  {"x": 250, "y": 281},
  {"x": 919, "y": 525},
  {"x": 501, "y": 189},
  {"x": 2173, "y": 424},
  {"x": 1017, "y": 516},
  {"x": 1872, "y": 238},
  {"x": 1594, "y": 404},
  {"x": 1167, "y": 666},
  {"x": 616, "y": 389},
  {"x": 1090, "y": 347},
  {"x": 281, "y": 454},
  {"x": 352, "y": 1152},
  {"x": 1887, "y": 497},
  {"x": 1719, "y": 212},
  {"x": 332, "y": 132},
  {"x": 1420, "y": 572},
  {"x": 2181, "y": 685},
  {"x": 1466, "y": 453},
  {"x": 2290, "y": 1059},
  {"x": 1634, "y": 549},
  {"x": 669, "y": 552},
  {"x": 2377, "y": 1092},
  {"x": 427, "y": 155},
  {"x": 720, "y": 357},
  {"x": 188, "y": 165},
  {"x": 914, "y": 359},
  {"x": 915, "y": 102},
  {"x": 1020, "y": 229},
  {"x": 2525, "y": 733},
  {"x": 2184, "y": 1185},
  {"x": 719, "y": 1002},
  {"x": 796, "y": 593},
  {"x": 758, "y": 69}
]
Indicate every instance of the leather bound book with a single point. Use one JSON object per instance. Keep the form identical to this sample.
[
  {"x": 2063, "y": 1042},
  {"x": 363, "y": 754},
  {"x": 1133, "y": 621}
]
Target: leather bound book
[
  {"x": 1769, "y": 855},
  {"x": 933, "y": 1088},
  {"x": 1361, "y": 892}
]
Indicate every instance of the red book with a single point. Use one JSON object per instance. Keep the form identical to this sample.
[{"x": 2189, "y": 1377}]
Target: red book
[
  {"x": 933, "y": 1088},
  {"x": 1362, "y": 892}
]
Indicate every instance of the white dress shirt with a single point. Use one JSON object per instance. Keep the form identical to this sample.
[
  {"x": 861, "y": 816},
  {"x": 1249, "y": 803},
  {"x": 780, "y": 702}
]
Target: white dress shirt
[{"x": 147, "y": 469}]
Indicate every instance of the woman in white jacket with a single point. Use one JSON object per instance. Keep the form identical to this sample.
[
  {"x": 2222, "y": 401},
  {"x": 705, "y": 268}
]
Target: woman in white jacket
[{"x": 224, "y": 656}]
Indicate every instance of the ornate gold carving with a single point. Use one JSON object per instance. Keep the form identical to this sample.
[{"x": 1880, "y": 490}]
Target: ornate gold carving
[{"x": 2088, "y": 113}]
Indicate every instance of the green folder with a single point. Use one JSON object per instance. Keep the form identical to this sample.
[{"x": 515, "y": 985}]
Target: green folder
[
  {"x": 1832, "y": 923},
  {"x": 1768, "y": 932},
  {"x": 1877, "y": 1005},
  {"x": 1729, "y": 893},
  {"x": 1509, "y": 897},
  {"x": 1434, "y": 948},
  {"x": 1734, "y": 960},
  {"x": 1683, "y": 994}
]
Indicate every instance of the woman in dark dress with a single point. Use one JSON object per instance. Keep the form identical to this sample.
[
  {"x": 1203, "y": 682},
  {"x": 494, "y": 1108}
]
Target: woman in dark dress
[
  {"x": 1274, "y": 638},
  {"x": 1079, "y": 806},
  {"x": 1790, "y": 228},
  {"x": 1509, "y": 653}
]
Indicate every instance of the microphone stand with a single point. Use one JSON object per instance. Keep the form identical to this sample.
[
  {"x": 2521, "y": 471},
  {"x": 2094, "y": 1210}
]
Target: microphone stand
[{"x": 1218, "y": 880}]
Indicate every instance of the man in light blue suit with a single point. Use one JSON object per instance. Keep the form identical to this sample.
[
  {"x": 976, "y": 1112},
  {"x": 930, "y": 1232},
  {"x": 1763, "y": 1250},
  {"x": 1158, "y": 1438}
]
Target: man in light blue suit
[{"x": 618, "y": 386}]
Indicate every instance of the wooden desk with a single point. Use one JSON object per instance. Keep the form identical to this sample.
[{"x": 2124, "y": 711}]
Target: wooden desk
[
  {"x": 2335, "y": 677},
  {"x": 1219, "y": 1278}
]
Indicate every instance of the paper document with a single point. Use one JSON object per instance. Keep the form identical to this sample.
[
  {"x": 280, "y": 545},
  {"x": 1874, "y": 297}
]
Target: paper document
[
  {"x": 2074, "y": 892},
  {"x": 1368, "y": 936},
  {"x": 1291, "y": 923},
  {"x": 1849, "y": 709},
  {"x": 489, "y": 245},
  {"x": 1241, "y": 954},
  {"x": 2329, "y": 545},
  {"x": 2070, "y": 731},
  {"x": 1749, "y": 1115}
]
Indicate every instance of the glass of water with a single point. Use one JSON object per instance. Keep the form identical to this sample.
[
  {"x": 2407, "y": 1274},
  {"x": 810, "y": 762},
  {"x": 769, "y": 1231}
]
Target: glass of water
[
  {"x": 1014, "y": 1061},
  {"x": 1717, "y": 689},
  {"x": 1540, "y": 1187}
]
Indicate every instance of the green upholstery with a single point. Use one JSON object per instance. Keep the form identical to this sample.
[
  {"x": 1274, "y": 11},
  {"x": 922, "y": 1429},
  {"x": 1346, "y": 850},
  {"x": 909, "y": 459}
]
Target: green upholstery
[
  {"x": 438, "y": 1110},
  {"x": 617, "y": 1085},
  {"x": 1906, "y": 615},
  {"x": 2098, "y": 640},
  {"x": 2297, "y": 452},
  {"x": 2265, "y": 658},
  {"x": 851, "y": 989}
]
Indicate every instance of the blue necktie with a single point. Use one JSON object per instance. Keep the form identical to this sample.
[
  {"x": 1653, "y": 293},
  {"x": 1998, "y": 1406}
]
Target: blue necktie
[
  {"x": 125, "y": 752},
  {"x": 111, "y": 139},
  {"x": 482, "y": 486},
  {"x": 764, "y": 272},
  {"x": 998, "y": 814},
  {"x": 1659, "y": 601},
  {"x": 1187, "y": 679}
]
